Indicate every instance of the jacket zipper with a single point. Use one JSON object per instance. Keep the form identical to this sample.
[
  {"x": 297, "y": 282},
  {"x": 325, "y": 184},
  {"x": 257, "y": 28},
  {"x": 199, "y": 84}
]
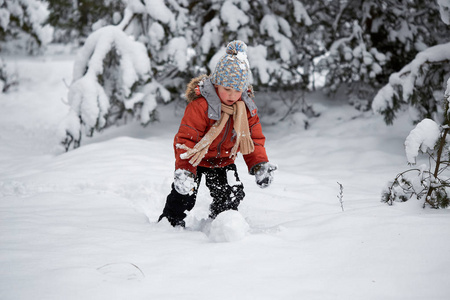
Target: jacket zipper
[{"x": 223, "y": 138}]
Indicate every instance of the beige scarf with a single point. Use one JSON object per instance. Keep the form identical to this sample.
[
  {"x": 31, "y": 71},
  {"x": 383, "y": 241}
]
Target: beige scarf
[{"x": 243, "y": 139}]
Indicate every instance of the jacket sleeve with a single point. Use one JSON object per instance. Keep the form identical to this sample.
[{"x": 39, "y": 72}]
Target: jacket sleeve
[
  {"x": 259, "y": 155},
  {"x": 192, "y": 129}
]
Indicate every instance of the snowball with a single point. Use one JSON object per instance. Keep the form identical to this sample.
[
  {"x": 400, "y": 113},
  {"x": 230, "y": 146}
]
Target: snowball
[
  {"x": 228, "y": 226},
  {"x": 424, "y": 136}
]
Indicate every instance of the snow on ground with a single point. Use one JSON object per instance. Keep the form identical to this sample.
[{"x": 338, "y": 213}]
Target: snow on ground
[{"x": 81, "y": 225}]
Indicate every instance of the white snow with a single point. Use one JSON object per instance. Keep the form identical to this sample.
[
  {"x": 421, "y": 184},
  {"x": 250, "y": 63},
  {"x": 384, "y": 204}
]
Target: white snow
[
  {"x": 422, "y": 138},
  {"x": 300, "y": 13},
  {"x": 4, "y": 18},
  {"x": 211, "y": 35},
  {"x": 82, "y": 224},
  {"x": 444, "y": 10},
  {"x": 233, "y": 16},
  {"x": 32, "y": 12},
  {"x": 411, "y": 75},
  {"x": 231, "y": 179},
  {"x": 447, "y": 90},
  {"x": 176, "y": 49},
  {"x": 228, "y": 226},
  {"x": 271, "y": 25},
  {"x": 158, "y": 10}
]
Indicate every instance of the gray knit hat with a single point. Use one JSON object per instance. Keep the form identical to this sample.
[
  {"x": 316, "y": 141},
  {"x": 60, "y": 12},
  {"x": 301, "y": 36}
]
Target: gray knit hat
[{"x": 233, "y": 69}]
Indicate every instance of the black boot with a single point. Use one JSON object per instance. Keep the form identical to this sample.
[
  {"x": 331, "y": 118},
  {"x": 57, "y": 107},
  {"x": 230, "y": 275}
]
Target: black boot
[
  {"x": 176, "y": 205},
  {"x": 173, "y": 221}
]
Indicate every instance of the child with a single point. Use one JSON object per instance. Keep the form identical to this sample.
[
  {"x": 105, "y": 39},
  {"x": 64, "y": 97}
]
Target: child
[{"x": 219, "y": 121}]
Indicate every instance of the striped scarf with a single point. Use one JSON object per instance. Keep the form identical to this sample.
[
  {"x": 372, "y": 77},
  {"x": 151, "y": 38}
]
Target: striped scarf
[{"x": 244, "y": 142}]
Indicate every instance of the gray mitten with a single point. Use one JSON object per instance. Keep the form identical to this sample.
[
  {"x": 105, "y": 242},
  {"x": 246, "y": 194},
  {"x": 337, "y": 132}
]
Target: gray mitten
[
  {"x": 183, "y": 181},
  {"x": 264, "y": 174}
]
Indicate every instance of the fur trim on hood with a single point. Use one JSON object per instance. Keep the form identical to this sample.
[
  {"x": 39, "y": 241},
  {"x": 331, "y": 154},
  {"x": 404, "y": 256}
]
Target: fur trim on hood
[{"x": 193, "y": 91}]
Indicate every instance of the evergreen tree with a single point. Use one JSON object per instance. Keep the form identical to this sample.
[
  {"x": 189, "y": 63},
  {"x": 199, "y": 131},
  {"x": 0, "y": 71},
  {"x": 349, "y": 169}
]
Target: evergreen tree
[
  {"x": 162, "y": 26},
  {"x": 111, "y": 84},
  {"x": 392, "y": 32},
  {"x": 415, "y": 84},
  {"x": 22, "y": 25},
  {"x": 76, "y": 19},
  {"x": 421, "y": 83},
  {"x": 271, "y": 29},
  {"x": 7, "y": 80},
  {"x": 22, "y": 29}
]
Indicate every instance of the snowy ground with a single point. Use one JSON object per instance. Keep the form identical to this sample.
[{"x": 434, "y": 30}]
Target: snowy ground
[{"x": 81, "y": 225}]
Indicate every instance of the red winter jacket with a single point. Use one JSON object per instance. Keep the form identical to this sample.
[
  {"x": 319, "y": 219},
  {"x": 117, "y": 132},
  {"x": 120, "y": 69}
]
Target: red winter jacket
[{"x": 195, "y": 124}]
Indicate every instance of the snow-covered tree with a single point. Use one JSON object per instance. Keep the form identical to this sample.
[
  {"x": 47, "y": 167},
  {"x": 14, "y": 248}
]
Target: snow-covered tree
[
  {"x": 74, "y": 20},
  {"x": 351, "y": 61},
  {"x": 418, "y": 84},
  {"x": 392, "y": 30},
  {"x": 7, "y": 80},
  {"x": 22, "y": 25},
  {"x": 430, "y": 182},
  {"x": 271, "y": 30},
  {"x": 111, "y": 84},
  {"x": 162, "y": 27}
]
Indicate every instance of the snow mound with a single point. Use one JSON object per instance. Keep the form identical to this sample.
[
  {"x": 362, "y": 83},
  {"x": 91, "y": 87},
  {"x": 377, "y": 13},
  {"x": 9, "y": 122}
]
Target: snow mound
[{"x": 228, "y": 226}]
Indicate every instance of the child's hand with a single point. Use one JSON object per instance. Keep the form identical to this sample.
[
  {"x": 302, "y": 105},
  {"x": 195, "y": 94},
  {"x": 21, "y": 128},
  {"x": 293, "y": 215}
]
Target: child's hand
[
  {"x": 264, "y": 174},
  {"x": 183, "y": 181}
]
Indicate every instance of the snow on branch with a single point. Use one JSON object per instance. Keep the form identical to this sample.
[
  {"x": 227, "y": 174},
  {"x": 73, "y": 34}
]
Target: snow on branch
[
  {"x": 301, "y": 14},
  {"x": 422, "y": 138},
  {"x": 444, "y": 9},
  {"x": 410, "y": 77},
  {"x": 134, "y": 62},
  {"x": 272, "y": 24},
  {"x": 28, "y": 15},
  {"x": 410, "y": 74},
  {"x": 233, "y": 16},
  {"x": 107, "y": 72}
]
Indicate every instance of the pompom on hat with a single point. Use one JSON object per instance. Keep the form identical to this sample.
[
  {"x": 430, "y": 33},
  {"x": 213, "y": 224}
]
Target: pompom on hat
[{"x": 233, "y": 69}]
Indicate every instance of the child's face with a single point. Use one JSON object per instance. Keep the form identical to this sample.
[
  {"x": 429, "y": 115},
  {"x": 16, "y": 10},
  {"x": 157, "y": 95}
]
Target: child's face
[{"x": 228, "y": 95}]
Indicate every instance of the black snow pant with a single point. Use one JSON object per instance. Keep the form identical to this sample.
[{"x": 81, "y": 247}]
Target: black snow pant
[{"x": 226, "y": 195}]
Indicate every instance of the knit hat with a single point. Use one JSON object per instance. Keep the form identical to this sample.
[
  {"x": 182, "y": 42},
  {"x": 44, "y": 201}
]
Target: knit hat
[{"x": 233, "y": 69}]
